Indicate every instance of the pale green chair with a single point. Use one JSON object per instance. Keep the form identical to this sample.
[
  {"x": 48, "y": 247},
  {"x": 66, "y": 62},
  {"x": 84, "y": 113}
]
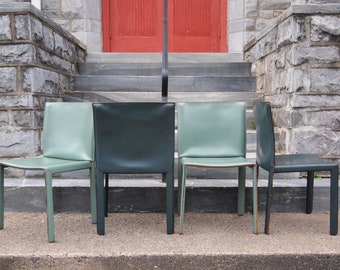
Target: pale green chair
[
  {"x": 213, "y": 134},
  {"x": 67, "y": 145}
]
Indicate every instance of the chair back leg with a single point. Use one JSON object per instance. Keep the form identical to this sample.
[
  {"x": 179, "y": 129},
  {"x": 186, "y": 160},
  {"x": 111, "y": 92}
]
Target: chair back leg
[
  {"x": 2, "y": 168},
  {"x": 334, "y": 207},
  {"x": 255, "y": 199},
  {"x": 100, "y": 203},
  {"x": 309, "y": 192}
]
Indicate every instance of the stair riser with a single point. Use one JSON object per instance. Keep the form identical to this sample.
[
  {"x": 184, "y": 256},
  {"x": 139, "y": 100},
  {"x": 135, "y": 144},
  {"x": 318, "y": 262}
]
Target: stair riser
[
  {"x": 154, "y": 83},
  {"x": 153, "y": 199},
  {"x": 154, "y": 69}
]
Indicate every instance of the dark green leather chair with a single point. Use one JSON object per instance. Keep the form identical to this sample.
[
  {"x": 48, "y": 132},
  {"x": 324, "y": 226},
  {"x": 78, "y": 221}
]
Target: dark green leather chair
[
  {"x": 213, "y": 135},
  {"x": 134, "y": 138},
  {"x": 67, "y": 145},
  {"x": 309, "y": 163}
]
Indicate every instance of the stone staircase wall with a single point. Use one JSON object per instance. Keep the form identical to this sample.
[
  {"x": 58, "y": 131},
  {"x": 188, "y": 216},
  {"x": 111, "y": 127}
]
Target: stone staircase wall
[
  {"x": 297, "y": 65},
  {"x": 37, "y": 59}
]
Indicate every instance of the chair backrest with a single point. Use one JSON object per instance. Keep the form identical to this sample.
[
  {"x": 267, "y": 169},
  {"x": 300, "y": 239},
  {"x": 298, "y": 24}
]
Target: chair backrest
[
  {"x": 134, "y": 137},
  {"x": 211, "y": 129},
  {"x": 265, "y": 149},
  {"x": 68, "y": 131}
]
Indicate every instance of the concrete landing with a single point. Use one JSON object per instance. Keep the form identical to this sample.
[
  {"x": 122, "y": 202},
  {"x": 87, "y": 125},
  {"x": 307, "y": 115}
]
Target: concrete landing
[{"x": 139, "y": 241}]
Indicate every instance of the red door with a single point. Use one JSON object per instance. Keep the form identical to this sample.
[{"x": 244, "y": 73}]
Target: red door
[{"x": 136, "y": 25}]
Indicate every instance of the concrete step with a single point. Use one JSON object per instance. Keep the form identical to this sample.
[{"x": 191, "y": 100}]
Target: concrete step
[
  {"x": 157, "y": 57},
  {"x": 155, "y": 96}
]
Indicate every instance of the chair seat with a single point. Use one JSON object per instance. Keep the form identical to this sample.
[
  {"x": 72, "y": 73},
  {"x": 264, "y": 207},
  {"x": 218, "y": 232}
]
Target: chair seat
[
  {"x": 220, "y": 162},
  {"x": 54, "y": 165},
  {"x": 301, "y": 162}
]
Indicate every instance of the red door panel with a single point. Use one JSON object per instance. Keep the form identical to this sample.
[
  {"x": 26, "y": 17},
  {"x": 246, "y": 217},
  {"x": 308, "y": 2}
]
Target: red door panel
[
  {"x": 195, "y": 25},
  {"x": 136, "y": 25},
  {"x": 133, "y": 25}
]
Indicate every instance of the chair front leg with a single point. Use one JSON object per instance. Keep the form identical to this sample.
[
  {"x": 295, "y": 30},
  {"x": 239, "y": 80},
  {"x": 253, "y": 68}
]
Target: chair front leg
[
  {"x": 2, "y": 175},
  {"x": 309, "y": 192},
  {"x": 334, "y": 208},
  {"x": 241, "y": 190},
  {"x": 50, "y": 206},
  {"x": 93, "y": 195},
  {"x": 170, "y": 219},
  {"x": 107, "y": 194},
  {"x": 182, "y": 197},
  {"x": 269, "y": 201}
]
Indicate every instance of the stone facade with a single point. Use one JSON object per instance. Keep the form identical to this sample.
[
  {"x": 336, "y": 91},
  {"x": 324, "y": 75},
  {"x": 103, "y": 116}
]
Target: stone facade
[
  {"x": 297, "y": 64},
  {"x": 82, "y": 18},
  {"x": 37, "y": 59}
]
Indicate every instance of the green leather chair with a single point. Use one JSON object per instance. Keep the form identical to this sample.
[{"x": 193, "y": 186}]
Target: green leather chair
[
  {"x": 67, "y": 145},
  {"x": 309, "y": 163},
  {"x": 133, "y": 138},
  {"x": 213, "y": 134}
]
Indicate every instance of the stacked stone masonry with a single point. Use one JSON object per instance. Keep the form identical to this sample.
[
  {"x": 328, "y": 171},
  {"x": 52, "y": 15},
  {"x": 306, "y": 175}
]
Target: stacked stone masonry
[
  {"x": 297, "y": 64},
  {"x": 37, "y": 59}
]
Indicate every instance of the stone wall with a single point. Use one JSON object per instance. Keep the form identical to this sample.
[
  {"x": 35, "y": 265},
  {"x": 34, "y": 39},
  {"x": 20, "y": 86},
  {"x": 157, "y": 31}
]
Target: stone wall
[
  {"x": 259, "y": 14},
  {"x": 37, "y": 59},
  {"x": 297, "y": 64},
  {"x": 82, "y": 18}
]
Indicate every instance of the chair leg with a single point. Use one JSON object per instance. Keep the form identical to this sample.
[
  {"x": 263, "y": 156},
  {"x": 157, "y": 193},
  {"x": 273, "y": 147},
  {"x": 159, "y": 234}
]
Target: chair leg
[
  {"x": 182, "y": 198},
  {"x": 106, "y": 194},
  {"x": 241, "y": 190},
  {"x": 50, "y": 207},
  {"x": 100, "y": 203},
  {"x": 309, "y": 193},
  {"x": 170, "y": 201},
  {"x": 2, "y": 175},
  {"x": 93, "y": 195},
  {"x": 179, "y": 190},
  {"x": 255, "y": 199},
  {"x": 334, "y": 208},
  {"x": 269, "y": 202}
]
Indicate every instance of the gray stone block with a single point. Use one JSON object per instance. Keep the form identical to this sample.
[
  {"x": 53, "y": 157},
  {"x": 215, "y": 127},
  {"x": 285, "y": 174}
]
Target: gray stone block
[
  {"x": 5, "y": 28},
  {"x": 270, "y": 4},
  {"x": 4, "y": 118},
  {"x": 28, "y": 28},
  {"x": 54, "y": 61},
  {"x": 39, "y": 80},
  {"x": 329, "y": 118},
  {"x": 8, "y": 79},
  {"x": 18, "y": 54},
  {"x": 323, "y": 142},
  {"x": 325, "y": 80},
  {"x": 291, "y": 30},
  {"x": 48, "y": 38},
  {"x": 27, "y": 118},
  {"x": 325, "y": 28},
  {"x": 314, "y": 55},
  {"x": 17, "y": 101},
  {"x": 305, "y": 101},
  {"x": 19, "y": 142}
]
